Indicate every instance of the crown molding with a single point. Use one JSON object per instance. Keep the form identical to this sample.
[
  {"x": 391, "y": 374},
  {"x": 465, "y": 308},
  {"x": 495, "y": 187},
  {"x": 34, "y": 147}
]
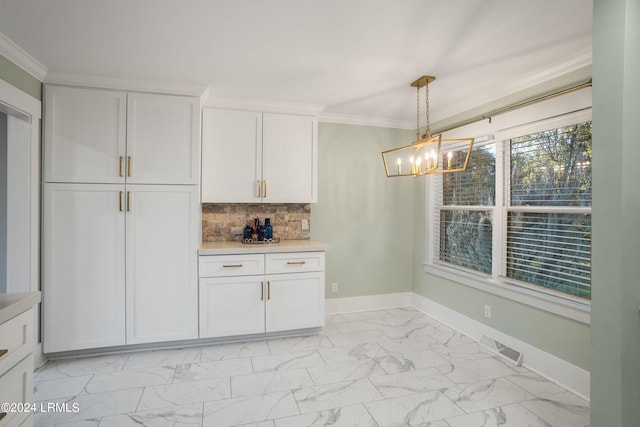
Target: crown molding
[
  {"x": 262, "y": 105},
  {"x": 581, "y": 59},
  {"x": 21, "y": 58},
  {"x": 103, "y": 82},
  {"x": 381, "y": 122}
]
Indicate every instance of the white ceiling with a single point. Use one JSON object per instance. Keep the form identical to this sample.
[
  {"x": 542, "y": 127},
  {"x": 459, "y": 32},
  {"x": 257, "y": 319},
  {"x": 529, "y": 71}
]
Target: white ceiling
[{"x": 352, "y": 57}]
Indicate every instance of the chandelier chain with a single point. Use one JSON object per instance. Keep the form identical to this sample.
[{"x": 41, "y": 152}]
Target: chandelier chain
[
  {"x": 428, "y": 125},
  {"x": 417, "y": 112}
]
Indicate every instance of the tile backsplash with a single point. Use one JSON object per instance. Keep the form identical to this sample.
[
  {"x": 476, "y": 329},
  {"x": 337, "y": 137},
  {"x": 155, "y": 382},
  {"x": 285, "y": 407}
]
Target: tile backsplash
[{"x": 224, "y": 222}]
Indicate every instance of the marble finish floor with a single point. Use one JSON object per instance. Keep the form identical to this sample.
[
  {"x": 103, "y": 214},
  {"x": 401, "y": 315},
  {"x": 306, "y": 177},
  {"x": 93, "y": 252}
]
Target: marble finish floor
[{"x": 395, "y": 367}]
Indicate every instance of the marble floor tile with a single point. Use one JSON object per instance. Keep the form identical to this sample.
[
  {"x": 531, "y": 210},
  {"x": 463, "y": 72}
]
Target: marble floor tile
[
  {"x": 503, "y": 416},
  {"x": 413, "y": 410},
  {"x": 287, "y": 361},
  {"x": 335, "y": 395},
  {"x": 155, "y": 358},
  {"x": 535, "y": 384},
  {"x": 185, "y": 393},
  {"x": 234, "y": 350},
  {"x": 269, "y": 381},
  {"x": 356, "y": 352},
  {"x": 462, "y": 371},
  {"x": 406, "y": 345},
  {"x": 89, "y": 406},
  {"x": 350, "y": 416},
  {"x": 392, "y": 367},
  {"x": 62, "y": 368},
  {"x": 561, "y": 410},
  {"x": 199, "y": 371},
  {"x": 487, "y": 394},
  {"x": 177, "y": 416},
  {"x": 61, "y": 387},
  {"x": 418, "y": 381},
  {"x": 354, "y": 338},
  {"x": 295, "y": 344},
  {"x": 469, "y": 351},
  {"x": 245, "y": 410},
  {"x": 130, "y": 379},
  {"x": 403, "y": 362},
  {"x": 345, "y": 371}
]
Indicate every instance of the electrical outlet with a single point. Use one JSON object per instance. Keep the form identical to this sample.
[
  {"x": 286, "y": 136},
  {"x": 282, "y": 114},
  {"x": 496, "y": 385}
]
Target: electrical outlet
[
  {"x": 334, "y": 287},
  {"x": 487, "y": 311},
  {"x": 305, "y": 224}
]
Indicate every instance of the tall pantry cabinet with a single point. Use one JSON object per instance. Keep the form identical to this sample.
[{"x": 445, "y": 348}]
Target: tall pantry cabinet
[{"x": 121, "y": 218}]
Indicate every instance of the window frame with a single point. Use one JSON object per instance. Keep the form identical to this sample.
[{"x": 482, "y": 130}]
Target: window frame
[{"x": 562, "y": 113}]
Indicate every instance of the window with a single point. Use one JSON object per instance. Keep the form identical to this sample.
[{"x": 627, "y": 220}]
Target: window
[{"x": 521, "y": 212}]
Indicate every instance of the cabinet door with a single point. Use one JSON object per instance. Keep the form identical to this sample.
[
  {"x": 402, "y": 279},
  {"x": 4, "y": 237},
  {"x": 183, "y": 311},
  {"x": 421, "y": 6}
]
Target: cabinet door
[
  {"x": 231, "y": 156},
  {"x": 289, "y": 159},
  {"x": 84, "y": 135},
  {"x": 83, "y": 266},
  {"x": 231, "y": 306},
  {"x": 161, "y": 264},
  {"x": 163, "y": 135},
  {"x": 294, "y": 301}
]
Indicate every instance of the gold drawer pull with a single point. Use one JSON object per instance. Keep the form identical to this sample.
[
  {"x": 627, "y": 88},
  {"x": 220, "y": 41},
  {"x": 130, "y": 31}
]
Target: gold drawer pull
[
  {"x": 261, "y": 291},
  {"x": 3, "y": 352},
  {"x": 296, "y": 262},
  {"x": 129, "y": 166},
  {"x": 232, "y": 266},
  {"x": 259, "y": 189},
  {"x": 121, "y": 158},
  {"x": 268, "y": 289}
]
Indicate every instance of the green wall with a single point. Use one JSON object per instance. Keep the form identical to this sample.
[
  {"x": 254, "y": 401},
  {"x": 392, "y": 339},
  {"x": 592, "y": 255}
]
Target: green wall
[
  {"x": 615, "y": 330},
  {"x": 366, "y": 217},
  {"x": 19, "y": 78}
]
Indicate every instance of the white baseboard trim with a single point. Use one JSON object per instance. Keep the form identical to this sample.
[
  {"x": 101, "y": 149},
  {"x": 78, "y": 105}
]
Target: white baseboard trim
[
  {"x": 565, "y": 374},
  {"x": 367, "y": 302}
]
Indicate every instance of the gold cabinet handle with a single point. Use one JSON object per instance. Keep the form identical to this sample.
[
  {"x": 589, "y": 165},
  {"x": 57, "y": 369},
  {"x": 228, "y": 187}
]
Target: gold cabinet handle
[
  {"x": 231, "y": 265},
  {"x": 296, "y": 262},
  {"x": 128, "y": 201},
  {"x": 120, "y": 201},
  {"x": 261, "y": 291},
  {"x": 258, "y": 189},
  {"x": 121, "y": 159},
  {"x": 3, "y": 352},
  {"x": 264, "y": 190},
  {"x": 268, "y": 289},
  {"x": 128, "y": 165}
]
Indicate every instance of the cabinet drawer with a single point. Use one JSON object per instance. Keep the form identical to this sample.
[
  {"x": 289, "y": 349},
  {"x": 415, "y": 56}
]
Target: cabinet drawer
[
  {"x": 231, "y": 265},
  {"x": 16, "y": 386},
  {"x": 294, "y": 262},
  {"x": 16, "y": 340}
]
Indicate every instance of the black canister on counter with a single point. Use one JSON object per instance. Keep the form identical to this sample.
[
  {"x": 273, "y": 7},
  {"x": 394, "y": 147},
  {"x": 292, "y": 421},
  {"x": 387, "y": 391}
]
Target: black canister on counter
[{"x": 268, "y": 229}]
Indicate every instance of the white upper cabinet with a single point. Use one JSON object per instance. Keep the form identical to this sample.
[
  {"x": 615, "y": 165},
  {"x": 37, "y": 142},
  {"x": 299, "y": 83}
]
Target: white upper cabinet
[
  {"x": 231, "y": 156},
  {"x": 252, "y": 157},
  {"x": 162, "y": 139},
  {"x": 105, "y": 136},
  {"x": 85, "y": 135}
]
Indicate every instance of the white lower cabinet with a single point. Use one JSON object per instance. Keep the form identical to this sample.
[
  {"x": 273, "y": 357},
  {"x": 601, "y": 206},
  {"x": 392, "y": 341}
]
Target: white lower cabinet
[
  {"x": 119, "y": 265},
  {"x": 233, "y": 302},
  {"x": 16, "y": 369}
]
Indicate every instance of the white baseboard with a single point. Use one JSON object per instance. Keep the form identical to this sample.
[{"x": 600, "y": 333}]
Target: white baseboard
[
  {"x": 565, "y": 374},
  {"x": 367, "y": 302}
]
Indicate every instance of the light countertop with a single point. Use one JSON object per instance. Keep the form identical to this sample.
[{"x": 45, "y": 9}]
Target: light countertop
[
  {"x": 13, "y": 304},
  {"x": 233, "y": 248}
]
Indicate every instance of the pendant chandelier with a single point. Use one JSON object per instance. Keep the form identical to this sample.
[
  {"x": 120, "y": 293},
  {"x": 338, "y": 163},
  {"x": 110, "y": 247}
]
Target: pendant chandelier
[{"x": 427, "y": 154}]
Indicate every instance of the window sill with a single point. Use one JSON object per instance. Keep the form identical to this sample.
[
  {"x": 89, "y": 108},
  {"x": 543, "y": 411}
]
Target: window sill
[{"x": 568, "y": 308}]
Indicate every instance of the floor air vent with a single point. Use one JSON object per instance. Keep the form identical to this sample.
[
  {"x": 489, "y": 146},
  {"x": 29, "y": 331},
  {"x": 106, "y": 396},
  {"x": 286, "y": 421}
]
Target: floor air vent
[{"x": 503, "y": 350}]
